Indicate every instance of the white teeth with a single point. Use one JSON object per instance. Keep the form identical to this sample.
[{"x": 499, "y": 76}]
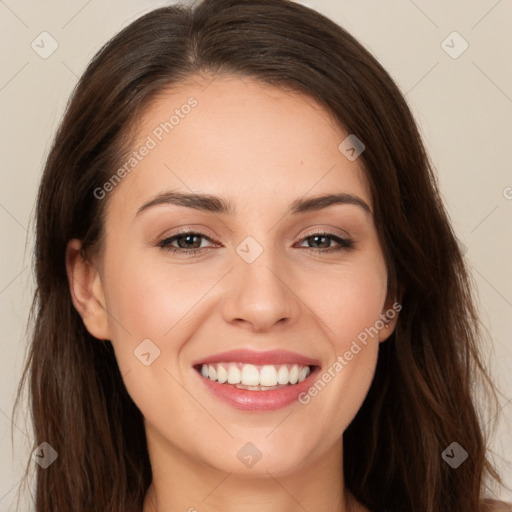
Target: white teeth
[
  {"x": 249, "y": 376},
  {"x": 233, "y": 375},
  {"x": 294, "y": 374},
  {"x": 303, "y": 373},
  {"x": 283, "y": 375},
  {"x": 222, "y": 374},
  {"x": 268, "y": 376}
]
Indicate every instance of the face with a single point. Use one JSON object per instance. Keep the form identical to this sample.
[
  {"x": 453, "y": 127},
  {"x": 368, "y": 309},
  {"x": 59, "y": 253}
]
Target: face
[{"x": 257, "y": 283}]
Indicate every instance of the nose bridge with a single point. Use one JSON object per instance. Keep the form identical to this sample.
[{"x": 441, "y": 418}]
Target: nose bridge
[{"x": 259, "y": 293}]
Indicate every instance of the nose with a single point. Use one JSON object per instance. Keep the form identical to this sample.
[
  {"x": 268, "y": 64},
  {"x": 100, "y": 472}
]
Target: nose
[{"x": 260, "y": 294}]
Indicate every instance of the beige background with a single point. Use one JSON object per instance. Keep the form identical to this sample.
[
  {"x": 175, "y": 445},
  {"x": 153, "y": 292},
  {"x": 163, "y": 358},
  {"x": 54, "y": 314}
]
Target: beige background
[{"x": 463, "y": 106}]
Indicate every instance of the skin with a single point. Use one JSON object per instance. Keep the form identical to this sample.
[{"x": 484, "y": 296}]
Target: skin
[{"x": 260, "y": 148}]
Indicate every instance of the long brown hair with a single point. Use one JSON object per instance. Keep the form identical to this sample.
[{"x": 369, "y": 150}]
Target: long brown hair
[{"x": 423, "y": 394}]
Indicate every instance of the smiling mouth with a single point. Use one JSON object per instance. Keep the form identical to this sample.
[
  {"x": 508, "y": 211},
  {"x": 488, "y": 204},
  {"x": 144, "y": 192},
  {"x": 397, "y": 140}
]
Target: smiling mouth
[{"x": 252, "y": 377}]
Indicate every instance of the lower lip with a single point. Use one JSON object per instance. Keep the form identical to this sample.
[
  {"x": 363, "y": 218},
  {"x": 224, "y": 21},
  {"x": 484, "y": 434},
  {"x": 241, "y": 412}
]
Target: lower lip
[{"x": 258, "y": 400}]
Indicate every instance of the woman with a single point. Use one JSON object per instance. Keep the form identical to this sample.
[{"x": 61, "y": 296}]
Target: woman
[{"x": 249, "y": 295}]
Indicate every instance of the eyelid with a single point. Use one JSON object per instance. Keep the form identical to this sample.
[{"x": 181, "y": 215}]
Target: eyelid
[
  {"x": 192, "y": 230},
  {"x": 322, "y": 230}
]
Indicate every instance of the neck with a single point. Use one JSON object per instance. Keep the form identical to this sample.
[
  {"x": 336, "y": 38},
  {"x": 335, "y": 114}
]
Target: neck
[{"x": 181, "y": 483}]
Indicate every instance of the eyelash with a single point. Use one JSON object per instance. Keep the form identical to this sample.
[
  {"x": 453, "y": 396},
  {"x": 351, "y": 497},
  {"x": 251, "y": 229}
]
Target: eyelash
[{"x": 345, "y": 244}]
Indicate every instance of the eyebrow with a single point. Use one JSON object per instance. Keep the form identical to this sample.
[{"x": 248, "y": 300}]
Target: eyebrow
[{"x": 215, "y": 204}]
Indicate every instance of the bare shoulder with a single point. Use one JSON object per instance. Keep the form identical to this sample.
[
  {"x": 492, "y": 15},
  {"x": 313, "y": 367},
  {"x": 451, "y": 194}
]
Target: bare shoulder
[{"x": 496, "y": 506}]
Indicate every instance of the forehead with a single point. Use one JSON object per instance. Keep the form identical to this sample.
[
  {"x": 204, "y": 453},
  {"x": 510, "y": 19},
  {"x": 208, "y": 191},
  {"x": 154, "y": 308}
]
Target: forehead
[{"x": 240, "y": 138}]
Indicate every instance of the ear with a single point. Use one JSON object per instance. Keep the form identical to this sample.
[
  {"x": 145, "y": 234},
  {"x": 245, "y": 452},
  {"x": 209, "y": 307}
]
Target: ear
[
  {"x": 87, "y": 291},
  {"x": 389, "y": 316}
]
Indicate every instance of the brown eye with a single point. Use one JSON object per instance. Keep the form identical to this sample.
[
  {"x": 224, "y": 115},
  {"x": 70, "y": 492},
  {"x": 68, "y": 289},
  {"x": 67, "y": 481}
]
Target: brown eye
[{"x": 185, "y": 242}]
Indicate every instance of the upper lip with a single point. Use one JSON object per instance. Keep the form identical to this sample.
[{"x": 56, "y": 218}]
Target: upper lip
[{"x": 258, "y": 358}]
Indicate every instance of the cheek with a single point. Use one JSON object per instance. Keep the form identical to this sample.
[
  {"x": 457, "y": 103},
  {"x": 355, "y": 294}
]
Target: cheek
[
  {"x": 147, "y": 299},
  {"x": 150, "y": 307},
  {"x": 348, "y": 300},
  {"x": 348, "y": 304}
]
